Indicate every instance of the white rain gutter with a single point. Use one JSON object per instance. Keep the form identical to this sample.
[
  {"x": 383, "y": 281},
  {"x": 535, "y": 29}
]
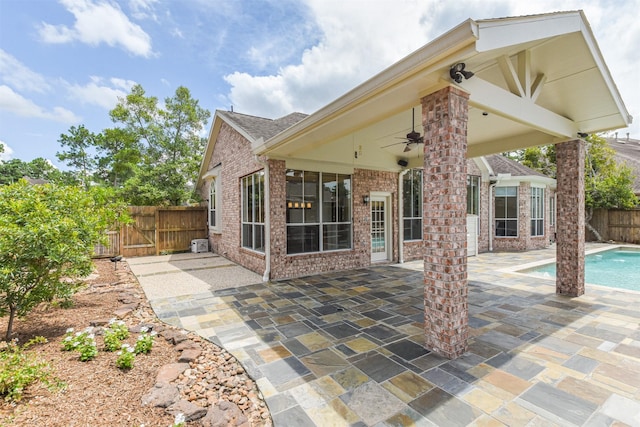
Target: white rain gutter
[
  {"x": 267, "y": 220},
  {"x": 400, "y": 217}
]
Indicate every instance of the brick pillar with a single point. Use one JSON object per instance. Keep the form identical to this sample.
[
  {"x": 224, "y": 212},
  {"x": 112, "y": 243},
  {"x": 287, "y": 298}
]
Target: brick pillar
[
  {"x": 446, "y": 317},
  {"x": 570, "y": 218}
]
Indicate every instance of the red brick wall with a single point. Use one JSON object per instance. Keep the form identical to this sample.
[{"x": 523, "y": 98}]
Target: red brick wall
[
  {"x": 233, "y": 151},
  {"x": 364, "y": 181}
]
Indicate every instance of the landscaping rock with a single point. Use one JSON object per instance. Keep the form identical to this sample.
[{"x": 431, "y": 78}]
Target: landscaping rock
[
  {"x": 171, "y": 372},
  {"x": 161, "y": 395},
  {"x": 224, "y": 414},
  {"x": 174, "y": 337},
  {"x": 189, "y": 355},
  {"x": 190, "y": 411},
  {"x": 187, "y": 344},
  {"x": 125, "y": 310},
  {"x": 98, "y": 322}
]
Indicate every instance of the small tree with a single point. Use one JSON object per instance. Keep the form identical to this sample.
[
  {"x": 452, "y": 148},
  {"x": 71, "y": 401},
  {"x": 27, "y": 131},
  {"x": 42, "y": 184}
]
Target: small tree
[
  {"x": 78, "y": 143},
  {"x": 47, "y": 237}
]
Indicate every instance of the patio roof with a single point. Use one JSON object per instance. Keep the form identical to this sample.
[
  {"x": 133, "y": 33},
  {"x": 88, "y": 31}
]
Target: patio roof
[{"x": 537, "y": 80}]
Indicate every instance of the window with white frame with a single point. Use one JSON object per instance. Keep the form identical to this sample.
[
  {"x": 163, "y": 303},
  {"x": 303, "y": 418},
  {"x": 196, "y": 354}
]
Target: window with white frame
[
  {"x": 213, "y": 203},
  {"x": 552, "y": 210},
  {"x": 537, "y": 211},
  {"x": 473, "y": 195},
  {"x": 506, "y": 211},
  {"x": 318, "y": 211},
  {"x": 412, "y": 204},
  {"x": 253, "y": 211}
]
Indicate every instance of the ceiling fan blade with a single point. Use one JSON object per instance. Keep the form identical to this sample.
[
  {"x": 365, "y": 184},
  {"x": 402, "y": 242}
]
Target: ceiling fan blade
[
  {"x": 407, "y": 148},
  {"x": 395, "y": 143}
]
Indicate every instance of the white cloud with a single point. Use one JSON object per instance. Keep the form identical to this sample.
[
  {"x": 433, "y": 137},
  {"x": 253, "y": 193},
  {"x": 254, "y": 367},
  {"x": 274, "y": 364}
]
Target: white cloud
[
  {"x": 16, "y": 74},
  {"x": 99, "y": 21},
  {"x": 15, "y": 103},
  {"x": 357, "y": 43},
  {"x": 7, "y": 153},
  {"x": 143, "y": 9},
  {"x": 101, "y": 92}
]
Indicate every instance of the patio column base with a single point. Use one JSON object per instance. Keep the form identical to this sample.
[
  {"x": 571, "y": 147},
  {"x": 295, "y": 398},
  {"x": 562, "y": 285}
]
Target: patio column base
[
  {"x": 570, "y": 218},
  {"x": 446, "y": 318}
]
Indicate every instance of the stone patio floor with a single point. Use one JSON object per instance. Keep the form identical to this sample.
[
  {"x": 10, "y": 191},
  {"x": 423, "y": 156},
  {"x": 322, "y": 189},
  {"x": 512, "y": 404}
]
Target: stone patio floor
[{"x": 346, "y": 348}]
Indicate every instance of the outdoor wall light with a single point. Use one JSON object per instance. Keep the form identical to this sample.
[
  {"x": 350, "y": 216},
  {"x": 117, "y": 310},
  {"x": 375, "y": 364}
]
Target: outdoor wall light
[
  {"x": 457, "y": 72},
  {"x": 365, "y": 200}
]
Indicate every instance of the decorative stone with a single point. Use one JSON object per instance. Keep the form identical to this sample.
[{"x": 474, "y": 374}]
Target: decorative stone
[
  {"x": 99, "y": 322},
  {"x": 189, "y": 355},
  {"x": 174, "y": 337},
  {"x": 170, "y": 372},
  {"x": 190, "y": 411},
  {"x": 224, "y": 414},
  {"x": 161, "y": 395},
  {"x": 186, "y": 344}
]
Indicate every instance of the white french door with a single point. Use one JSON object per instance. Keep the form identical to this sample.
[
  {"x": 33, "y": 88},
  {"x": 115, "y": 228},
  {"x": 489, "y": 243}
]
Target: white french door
[{"x": 380, "y": 230}]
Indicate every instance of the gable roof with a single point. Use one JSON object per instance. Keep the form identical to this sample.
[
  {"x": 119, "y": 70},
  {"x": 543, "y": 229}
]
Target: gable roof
[
  {"x": 504, "y": 165},
  {"x": 259, "y": 127},
  {"x": 253, "y": 128},
  {"x": 538, "y": 79}
]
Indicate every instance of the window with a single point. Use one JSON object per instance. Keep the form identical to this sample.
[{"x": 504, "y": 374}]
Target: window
[
  {"x": 318, "y": 211},
  {"x": 213, "y": 203},
  {"x": 412, "y": 204},
  {"x": 506, "y": 211},
  {"x": 253, "y": 212},
  {"x": 552, "y": 210},
  {"x": 473, "y": 195},
  {"x": 537, "y": 211}
]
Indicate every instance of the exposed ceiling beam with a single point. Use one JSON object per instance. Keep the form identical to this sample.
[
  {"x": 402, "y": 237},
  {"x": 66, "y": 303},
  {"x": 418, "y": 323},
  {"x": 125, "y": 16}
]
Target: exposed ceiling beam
[{"x": 490, "y": 97}]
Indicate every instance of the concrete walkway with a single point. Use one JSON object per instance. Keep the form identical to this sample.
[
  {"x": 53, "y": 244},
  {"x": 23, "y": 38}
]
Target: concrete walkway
[{"x": 346, "y": 348}]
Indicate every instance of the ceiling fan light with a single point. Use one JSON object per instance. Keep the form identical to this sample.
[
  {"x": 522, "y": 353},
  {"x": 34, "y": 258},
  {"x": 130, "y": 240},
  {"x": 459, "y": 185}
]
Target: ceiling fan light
[{"x": 407, "y": 147}]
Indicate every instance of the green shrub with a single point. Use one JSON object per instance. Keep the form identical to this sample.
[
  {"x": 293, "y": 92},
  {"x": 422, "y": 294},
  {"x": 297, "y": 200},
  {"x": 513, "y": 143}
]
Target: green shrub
[{"x": 19, "y": 369}]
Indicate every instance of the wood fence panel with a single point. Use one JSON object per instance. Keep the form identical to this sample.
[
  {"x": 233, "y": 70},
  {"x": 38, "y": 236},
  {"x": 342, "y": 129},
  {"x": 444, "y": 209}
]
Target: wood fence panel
[
  {"x": 176, "y": 227},
  {"x": 112, "y": 248},
  {"x": 616, "y": 225},
  {"x": 624, "y": 226},
  {"x": 138, "y": 238}
]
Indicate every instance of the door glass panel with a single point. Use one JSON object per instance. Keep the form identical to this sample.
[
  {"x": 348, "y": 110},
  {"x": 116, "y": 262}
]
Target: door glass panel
[{"x": 378, "y": 227}]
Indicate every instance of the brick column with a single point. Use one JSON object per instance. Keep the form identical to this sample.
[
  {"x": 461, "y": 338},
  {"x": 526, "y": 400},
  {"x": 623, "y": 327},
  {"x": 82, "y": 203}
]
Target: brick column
[
  {"x": 446, "y": 317},
  {"x": 570, "y": 218}
]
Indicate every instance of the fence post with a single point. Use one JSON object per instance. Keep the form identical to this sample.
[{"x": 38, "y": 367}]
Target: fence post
[{"x": 157, "y": 227}]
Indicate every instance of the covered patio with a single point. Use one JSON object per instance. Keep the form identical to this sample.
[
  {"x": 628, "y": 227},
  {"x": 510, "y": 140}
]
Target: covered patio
[
  {"x": 347, "y": 348},
  {"x": 485, "y": 86}
]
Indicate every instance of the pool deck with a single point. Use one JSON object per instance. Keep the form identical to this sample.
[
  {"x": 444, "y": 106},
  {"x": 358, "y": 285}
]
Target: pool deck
[{"x": 346, "y": 348}]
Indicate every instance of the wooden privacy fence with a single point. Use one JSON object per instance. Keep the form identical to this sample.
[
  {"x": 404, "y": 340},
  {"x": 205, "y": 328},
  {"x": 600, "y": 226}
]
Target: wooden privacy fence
[
  {"x": 617, "y": 225},
  {"x": 156, "y": 230}
]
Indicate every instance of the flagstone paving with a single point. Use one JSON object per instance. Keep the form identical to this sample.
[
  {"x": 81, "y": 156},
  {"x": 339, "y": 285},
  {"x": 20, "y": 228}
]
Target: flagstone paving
[{"x": 346, "y": 348}]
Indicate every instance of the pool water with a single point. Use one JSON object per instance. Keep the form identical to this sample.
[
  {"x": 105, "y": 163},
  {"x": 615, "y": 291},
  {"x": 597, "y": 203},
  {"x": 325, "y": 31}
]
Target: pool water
[{"x": 617, "y": 268}]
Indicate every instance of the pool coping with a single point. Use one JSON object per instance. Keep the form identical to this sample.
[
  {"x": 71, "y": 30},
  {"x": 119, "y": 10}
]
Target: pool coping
[{"x": 518, "y": 270}]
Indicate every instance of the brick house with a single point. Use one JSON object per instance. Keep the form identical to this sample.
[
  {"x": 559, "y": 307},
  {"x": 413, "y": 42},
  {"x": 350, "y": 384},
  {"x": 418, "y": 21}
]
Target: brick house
[
  {"x": 233, "y": 172},
  {"x": 387, "y": 163}
]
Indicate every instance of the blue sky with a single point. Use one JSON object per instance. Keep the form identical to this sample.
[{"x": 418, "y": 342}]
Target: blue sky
[{"x": 65, "y": 63}]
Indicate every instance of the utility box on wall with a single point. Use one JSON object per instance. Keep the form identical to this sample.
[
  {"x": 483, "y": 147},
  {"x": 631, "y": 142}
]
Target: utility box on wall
[{"x": 199, "y": 245}]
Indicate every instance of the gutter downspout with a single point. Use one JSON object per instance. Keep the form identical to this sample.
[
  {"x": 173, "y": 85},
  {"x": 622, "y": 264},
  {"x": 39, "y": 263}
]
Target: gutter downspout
[
  {"x": 267, "y": 219},
  {"x": 400, "y": 218}
]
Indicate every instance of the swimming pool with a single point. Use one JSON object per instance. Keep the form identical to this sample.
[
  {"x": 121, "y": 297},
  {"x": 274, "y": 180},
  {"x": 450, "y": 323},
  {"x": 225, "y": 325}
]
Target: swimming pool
[{"x": 614, "y": 268}]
